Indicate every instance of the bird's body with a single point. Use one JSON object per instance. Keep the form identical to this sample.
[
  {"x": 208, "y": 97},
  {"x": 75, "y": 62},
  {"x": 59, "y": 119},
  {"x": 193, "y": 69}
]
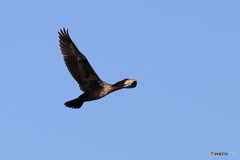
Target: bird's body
[
  {"x": 79, "y": 67},
  {"x": 98, "y": 92}
]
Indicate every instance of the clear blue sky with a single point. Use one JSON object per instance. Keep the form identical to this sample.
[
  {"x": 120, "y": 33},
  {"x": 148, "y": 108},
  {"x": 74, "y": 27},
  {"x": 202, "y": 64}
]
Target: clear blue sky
[{"x": 185, "y": 55}]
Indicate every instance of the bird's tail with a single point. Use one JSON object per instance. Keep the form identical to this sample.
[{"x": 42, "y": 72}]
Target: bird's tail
[{"x": 74, "y": 104}]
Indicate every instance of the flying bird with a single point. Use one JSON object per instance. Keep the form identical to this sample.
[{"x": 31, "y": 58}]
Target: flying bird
[{"x": 89, "y": 82}]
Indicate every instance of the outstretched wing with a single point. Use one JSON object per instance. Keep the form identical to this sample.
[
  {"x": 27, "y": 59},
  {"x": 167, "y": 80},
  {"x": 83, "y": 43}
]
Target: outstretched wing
[{"x": 77, "y": 63}]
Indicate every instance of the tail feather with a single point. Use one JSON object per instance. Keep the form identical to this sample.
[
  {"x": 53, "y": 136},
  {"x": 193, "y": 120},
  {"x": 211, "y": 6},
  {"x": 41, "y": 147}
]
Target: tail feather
[{"x": 74, "y": 104}]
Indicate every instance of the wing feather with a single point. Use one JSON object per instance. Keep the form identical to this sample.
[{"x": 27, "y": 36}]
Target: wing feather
[{"x": 77, "y": 63}]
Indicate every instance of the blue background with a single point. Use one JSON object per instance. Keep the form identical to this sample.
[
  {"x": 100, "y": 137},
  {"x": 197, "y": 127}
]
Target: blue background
[{"x": 185, "y": 55}]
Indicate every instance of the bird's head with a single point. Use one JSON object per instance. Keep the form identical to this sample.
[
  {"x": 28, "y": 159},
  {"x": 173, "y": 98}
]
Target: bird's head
[
  {"x": 130, "y": 83},
  {"x": 127, "y": 83}
]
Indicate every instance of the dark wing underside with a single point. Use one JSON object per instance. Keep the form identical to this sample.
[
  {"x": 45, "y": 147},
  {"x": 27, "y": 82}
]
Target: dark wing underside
[{"x": 77, "y": 63}]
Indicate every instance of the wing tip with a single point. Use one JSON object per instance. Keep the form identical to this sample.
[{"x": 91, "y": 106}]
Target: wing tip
[{"x": 63, "y": 32}]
